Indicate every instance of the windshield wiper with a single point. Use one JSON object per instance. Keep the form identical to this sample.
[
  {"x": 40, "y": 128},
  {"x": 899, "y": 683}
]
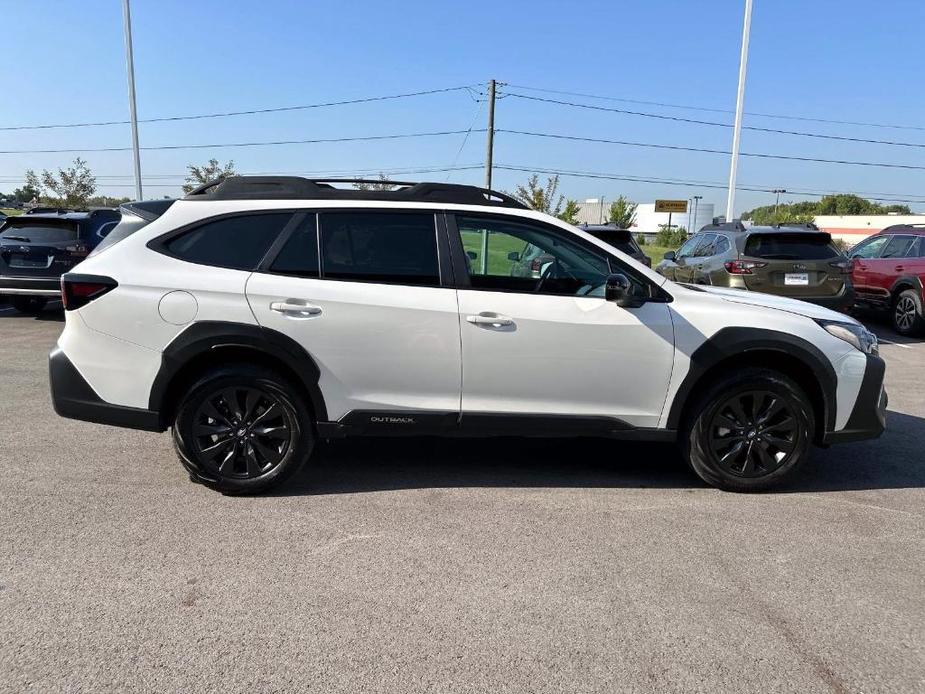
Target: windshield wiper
[{"x": 16, "y": 238}]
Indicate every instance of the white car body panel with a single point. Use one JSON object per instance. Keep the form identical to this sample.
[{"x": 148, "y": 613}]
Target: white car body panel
[
  {"x": 566, "y": 356},
  {"x": 378, "y": 346}
]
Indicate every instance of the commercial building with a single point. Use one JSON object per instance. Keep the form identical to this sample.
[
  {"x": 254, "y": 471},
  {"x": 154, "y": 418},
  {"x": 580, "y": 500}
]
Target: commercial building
[
  {"x": 648, "y": 220},
  {"x": 855, "y": 228}
]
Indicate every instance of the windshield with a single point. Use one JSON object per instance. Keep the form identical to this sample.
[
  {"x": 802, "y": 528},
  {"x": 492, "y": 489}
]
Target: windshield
[
  {"x": 790, "y": 247},
  {"x": 35, "y": 233}
]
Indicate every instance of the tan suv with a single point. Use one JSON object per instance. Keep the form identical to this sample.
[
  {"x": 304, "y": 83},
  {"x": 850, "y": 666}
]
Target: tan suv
[{"x": 797, "y": 261}]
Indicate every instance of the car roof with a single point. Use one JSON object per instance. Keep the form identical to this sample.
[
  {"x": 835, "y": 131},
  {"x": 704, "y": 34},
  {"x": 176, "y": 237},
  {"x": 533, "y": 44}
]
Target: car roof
[
  {"x": 914, "y": 229},
  {"x": 72, "y": 215}
]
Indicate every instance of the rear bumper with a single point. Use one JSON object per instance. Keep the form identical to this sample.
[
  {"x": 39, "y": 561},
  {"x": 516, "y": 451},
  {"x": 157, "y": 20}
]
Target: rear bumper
[
  {"x": 30, "y": 286},
  {"x": 73, "y": 398},
  {"x": 839, "y": 302},
  {"x": 868, "y": 417}
]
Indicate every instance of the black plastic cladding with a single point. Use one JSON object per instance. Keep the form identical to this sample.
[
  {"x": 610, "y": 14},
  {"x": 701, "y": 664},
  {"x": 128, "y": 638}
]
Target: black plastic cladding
[{"x": 298, "y": 188}]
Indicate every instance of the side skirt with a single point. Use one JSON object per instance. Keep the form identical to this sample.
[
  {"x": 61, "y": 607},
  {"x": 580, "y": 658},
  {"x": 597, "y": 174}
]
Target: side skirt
[{"x": 486, "y": 424}]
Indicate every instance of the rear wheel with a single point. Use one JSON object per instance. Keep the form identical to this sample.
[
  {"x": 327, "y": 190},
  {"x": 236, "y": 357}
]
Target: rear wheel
[
  {"x": 29, "y": 304},
  {"x": 908, "y": 318},
  {"x": 750, "y": 431},
  {"x": 243, "y": 429}
]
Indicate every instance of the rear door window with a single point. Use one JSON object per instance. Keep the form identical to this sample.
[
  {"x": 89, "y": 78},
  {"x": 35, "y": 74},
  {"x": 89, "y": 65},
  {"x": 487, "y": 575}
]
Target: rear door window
[
  {"x": 790, "y": 247},
  {"x": 33, "y": 233},
  {"x": 705, "y": 247},
  {"x": 899, "y": 246},
  {"x": 382, "y": 247},
  {"x": 238, "y": 242}
]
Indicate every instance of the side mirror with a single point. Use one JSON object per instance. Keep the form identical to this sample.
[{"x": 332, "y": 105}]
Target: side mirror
[
  {"x": 472, "y": 255},
  {"x": 670, "y": 255},
  {"x": 513, "y": 256},
  {"x": 619, "y": 290}
]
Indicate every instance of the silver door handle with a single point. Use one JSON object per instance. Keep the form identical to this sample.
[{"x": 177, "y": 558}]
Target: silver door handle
[
  {"x": 492, "y": 320},
  {"x": 295, "y": 309}
]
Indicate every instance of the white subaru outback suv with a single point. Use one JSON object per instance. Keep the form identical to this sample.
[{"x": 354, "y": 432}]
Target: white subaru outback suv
[{"x": 258, "y": 315}]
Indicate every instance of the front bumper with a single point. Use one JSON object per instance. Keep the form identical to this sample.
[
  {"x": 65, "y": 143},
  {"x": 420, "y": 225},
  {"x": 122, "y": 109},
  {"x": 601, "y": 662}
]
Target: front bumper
[
  {"x": 868, "y": 418},
  {"x": 73, "y": 398},
  {"x": 30, "y": 286}
]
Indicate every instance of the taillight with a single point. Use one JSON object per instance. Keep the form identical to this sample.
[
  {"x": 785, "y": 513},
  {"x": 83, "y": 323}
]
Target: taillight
[
  {"x": 80, "y": 290},
  {"x": 742, "y": 267},
  {"x": 846, "y": 266}
]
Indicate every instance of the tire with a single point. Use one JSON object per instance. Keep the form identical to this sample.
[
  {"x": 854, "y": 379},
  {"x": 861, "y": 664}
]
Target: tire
[
  {"x": 243, "y": 429},
  {"x": 907, "y": 315},
  {"x": 750, "y": 431},
  {"x": 31, "y": 305}
]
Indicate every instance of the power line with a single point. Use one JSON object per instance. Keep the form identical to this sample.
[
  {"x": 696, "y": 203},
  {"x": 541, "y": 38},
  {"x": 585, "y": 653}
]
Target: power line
[
  {"x": 217, "y": 145},
  {"x": 688, "y": 107},
  {"x": 250, "y": 112},
  {"x": 760, "y": 155},
  {"x": 697, "y": 184},
  {"x": 695, "y": 121}
]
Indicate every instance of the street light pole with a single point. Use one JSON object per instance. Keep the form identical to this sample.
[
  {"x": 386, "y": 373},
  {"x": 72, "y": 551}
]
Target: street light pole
[
  {"x": 740, "y": 103},
  {"x": 777, "y": 191},
  {"x": 697, "y": 199},
  {"x": 130, "y": 68}
]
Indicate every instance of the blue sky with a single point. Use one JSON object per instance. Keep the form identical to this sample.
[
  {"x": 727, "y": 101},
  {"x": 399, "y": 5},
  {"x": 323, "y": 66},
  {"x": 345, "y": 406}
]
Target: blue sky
[{"x": 831, "y": 59}]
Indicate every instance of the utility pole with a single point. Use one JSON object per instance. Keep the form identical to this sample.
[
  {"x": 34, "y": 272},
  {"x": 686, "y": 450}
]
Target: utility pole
[
  {"x": 778, "y": 191},
  {"x": 697, "y": 199},
  {"x": 491, "y": 132},
  {"x": 130, "y": 68},
  {"x": 740, "y": 103}
]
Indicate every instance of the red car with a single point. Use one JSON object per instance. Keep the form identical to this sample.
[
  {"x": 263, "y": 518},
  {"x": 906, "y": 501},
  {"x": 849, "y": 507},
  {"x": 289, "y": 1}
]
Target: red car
[{"x": 888, "y": 272}]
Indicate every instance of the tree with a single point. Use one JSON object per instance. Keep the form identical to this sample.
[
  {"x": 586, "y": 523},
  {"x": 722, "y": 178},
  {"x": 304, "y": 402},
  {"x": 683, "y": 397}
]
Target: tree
[
  {"x": 670, "y": 237},
  {"x": 213, "y": 171},
  {"x": 806, "y": 211},
  {"x": 540, "y": 198},
  {"x": 569, "y": 213},
  {"x": 73, "y": 186},
  {"x": 623, "y": 213},
  {"x": 382, "y": 184}
]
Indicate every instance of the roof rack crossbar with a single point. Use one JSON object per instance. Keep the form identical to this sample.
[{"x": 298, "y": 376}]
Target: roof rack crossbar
[{"x": 298, "y": 188}]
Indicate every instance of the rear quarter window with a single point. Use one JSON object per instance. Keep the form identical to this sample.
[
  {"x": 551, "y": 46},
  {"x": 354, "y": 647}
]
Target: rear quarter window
[
  {"x": 237, "y": 243},
  {"x": 790, "y": 247}
]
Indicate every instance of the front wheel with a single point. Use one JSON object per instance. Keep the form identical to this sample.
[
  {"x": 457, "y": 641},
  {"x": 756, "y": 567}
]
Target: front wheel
[
  {"x": 242, "y": 429},
  {"x": 908, "y": 318},
  {"x": 750, "y": 431}
]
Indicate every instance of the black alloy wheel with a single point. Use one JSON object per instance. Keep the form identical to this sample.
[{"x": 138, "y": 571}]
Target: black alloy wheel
[
  {"x": 753, "y": 433},
  {"x": 241, "y": 432}
]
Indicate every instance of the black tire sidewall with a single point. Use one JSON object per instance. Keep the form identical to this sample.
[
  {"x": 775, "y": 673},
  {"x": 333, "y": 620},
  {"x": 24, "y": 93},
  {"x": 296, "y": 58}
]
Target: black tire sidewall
[
  {"x": 918, "y": 322},
  {"x": 695, "y": 441},
  {"x": 301, "y": 444}
]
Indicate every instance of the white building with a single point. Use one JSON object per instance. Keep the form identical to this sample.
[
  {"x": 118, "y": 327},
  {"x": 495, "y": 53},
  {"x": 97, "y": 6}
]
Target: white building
[
  {"x": 647, "y": 219},
  {"x": 857, "y": 227}
]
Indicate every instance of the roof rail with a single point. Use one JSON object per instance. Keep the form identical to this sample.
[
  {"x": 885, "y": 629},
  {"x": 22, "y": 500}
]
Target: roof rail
[
  {"x": 298, "y": 188},
  {"x": 724, "y": 226},
  {"x": 797, "y": 225}
]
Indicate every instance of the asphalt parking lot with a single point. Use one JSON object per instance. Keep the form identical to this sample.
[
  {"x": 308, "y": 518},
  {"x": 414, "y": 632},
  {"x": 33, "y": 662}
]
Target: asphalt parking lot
[{"x": 428, "y": 565}]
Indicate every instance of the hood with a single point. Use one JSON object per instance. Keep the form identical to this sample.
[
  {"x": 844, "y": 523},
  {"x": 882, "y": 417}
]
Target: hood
[{"x": 801, "y": 308}]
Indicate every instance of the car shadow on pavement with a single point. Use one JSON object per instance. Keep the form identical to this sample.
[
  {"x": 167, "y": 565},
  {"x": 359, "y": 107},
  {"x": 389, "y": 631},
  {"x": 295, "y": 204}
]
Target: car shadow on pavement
[{"x": 367, "y": 465}]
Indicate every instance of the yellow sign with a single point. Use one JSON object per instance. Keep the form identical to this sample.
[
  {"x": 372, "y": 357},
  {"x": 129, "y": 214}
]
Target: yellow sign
[{"x": 671, "y": 205}]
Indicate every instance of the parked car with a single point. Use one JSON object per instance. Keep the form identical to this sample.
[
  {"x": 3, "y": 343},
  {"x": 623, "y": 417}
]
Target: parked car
[
  {"x": 799, "y": 262},
  {"x": 888, "y": 271},
  {"x": 621, "y": 239},
  {"x": 259, "y": 315},
  {"x": 36, "y": 248}
]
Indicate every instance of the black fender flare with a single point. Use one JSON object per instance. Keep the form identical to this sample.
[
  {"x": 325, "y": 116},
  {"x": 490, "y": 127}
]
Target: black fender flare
[
  {"x": 913, "y": 281},
  {"x": 204, "y": 336},
  {"x": 735, "y": 341}
]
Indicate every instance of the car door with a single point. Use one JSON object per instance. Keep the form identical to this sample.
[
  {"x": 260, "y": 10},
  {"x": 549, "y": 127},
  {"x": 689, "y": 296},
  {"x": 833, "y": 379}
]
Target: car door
[
  {"x": 699, "y": 265},
  {"x": 862, "y": 256},
  {"x": 553, "y": 346},
  {"x": 883, "y": 271},
  {"x": 373, "y": 313},
  {"x": 688, "y": 258}
]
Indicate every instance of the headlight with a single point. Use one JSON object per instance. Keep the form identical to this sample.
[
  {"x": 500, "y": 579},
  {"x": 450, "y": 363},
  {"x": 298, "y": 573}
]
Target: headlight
[{"x": 856, "y": 335}]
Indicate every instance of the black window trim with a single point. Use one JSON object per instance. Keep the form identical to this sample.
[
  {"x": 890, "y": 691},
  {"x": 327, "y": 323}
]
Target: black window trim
[
  {"x": 444, "y": 267},
  {"x": 461, "y": 273},
  {"x": 159, "y": 244}
]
